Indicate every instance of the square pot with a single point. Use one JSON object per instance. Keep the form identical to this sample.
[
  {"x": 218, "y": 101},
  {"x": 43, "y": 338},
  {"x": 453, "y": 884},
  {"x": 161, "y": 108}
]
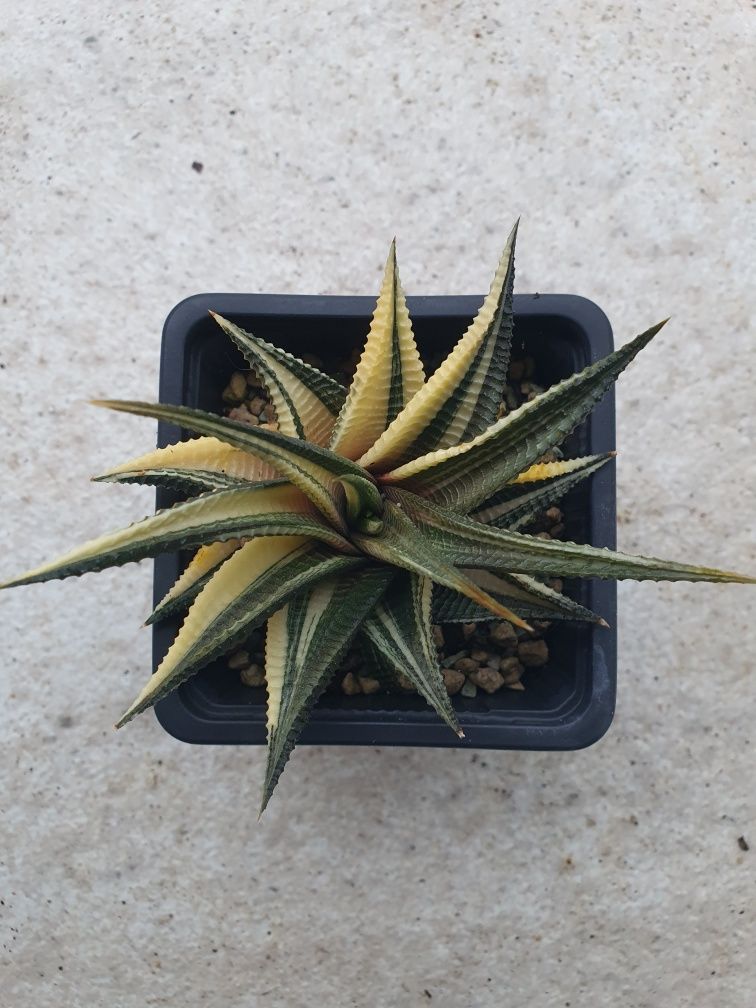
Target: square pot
[{"x": 568, "y": 704}]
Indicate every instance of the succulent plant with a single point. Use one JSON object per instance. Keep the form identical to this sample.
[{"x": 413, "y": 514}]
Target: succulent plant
[{"x": 369, "y": 514}]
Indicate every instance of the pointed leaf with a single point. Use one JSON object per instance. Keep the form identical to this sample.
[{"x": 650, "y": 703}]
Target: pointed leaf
[
  {"x": 193, "y": 578},
  {"x": 306, "y": 640},
  {"x": 306, "y": 401},
  {"x": 537, "y": 488},
  {"x": 388, "y": 375},
  {"x": 528, "y": 597},
  {"x": 314, "y": 470},
  {"x": 248, "y": 588},
  {"x": 462, "y": 398},
  {"x": 264, "y": 510},
  {"x": 464, "y": 476},
  {"x": 204, "y": 463},
  {"x": 399, "y": 632},
  {"x": 468, "y": 543},
  {"x": 402, "y": 544}
]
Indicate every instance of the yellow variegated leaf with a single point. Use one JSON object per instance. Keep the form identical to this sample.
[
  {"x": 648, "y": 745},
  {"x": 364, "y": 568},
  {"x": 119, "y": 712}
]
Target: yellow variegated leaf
[
  {"x": 192, "y": 579},
  {"x": 465, "y": 475},
  {"x": 204, "y": 462},
  {"x": 563, "y": 467},
  {"x": 264, "y": 510},
  {"x": 306, "y": 401},
  {"x": 251, "y": 585},
  {"x": 388, "y": 375},
  {"x": 463, "y": 395}
]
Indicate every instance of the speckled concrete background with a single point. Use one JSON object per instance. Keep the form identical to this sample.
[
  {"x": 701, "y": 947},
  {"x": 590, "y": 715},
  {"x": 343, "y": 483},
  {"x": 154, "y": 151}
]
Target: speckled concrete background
[{"x": 132, "y": 868}]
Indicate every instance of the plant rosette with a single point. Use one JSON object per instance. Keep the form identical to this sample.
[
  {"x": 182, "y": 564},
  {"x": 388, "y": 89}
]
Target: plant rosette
[{"x": 369, "y": 514}]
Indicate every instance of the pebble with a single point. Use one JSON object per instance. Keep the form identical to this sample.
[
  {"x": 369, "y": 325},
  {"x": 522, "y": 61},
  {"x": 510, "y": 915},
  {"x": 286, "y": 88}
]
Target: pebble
[
  {"x": 479, "y": 655},
  {"x": 252, "y": 676},
  {"x": 511, "y": 671},
  {"x": 533, "y": 653},
  {"x": 554, "y": 515},
  {"x": 368, "y": 685},
  {"x": 555, "y": 583},
  {"x": 487, "y": 678},
  {"x": 403, "y": 682},
  {"x": 468, "y": 629},
  {"x": 256, "y": 405},
  {"x": 466, "y": 665},
  {"x": 438, "y": 636},
  {"x": 514, "y": 685},
  {"x": 238, "y": 660},
  {"x": 469, "y": 689},
  {"x": 503, "y": 633},
  {"x": 236, "y": 389},
  {"x": 453, "y": 680},
  {"x": 350, "y": 685},
  {"x": 242, "y": 415}
]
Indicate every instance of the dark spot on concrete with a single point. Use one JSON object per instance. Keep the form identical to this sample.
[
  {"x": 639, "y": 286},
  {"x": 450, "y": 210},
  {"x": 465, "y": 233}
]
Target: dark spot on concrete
[
  {"x": 743, "y": 843},
  {"x": 65, "y": 721},
  {"x": 197, "y": 166},
  {"x": 90, "y": 40}
]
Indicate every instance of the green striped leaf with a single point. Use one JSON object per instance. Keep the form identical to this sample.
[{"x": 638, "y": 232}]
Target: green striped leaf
[
  {"x": 316, "y": 471},
  {"x": 306, "y": 640},
  {"x": 193, "y": 579},
  {"x": 249, "y": 587},
  {"x": 388, "y": 375},
  {"x": 464, "y": 476},
  {"x": 306, "y": 401},
  {"x": 402, "y": 544},
  {"x": 529, "y": 598},
  {"x": 468, "y": 543},
  {"x": 399, "y": 634},
  {"x": 204, "y": 463},
  {"x": 462, "y": 398},
  {"x": 279, "y": 509},
  {"x": 518, "y": 503}
]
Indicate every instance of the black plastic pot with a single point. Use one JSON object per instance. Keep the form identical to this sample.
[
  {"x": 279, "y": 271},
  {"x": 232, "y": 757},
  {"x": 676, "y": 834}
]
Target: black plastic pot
[{"x": 568, "y": 704}]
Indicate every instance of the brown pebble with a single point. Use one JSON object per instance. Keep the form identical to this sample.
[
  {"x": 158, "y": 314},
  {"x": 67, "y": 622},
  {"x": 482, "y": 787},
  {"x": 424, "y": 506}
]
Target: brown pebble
[
  {"x": 511, "y": 670},
  {"x": 557, "y": 530},
  {"x": 556, "y": 584},
  {"x": 453, "y": 680},
  {"x": 466, "y": 665},
  {"x": 553, "y": 514},
  {"x": 368, "y": 684},
  {"x": 252, "y": 676},
  {"x": 468, "y": 629},
  {"x": 493, "y": 661},
  {"x": 503, "y": 633},
  {"x": 533, "y": 653},
  {"x": 438, "y": 636},
  {"x": 487, "y": 679},
  {"x": 238, "y": 660},
  {"x": 542, "y": 535},
  {"x": 256, "y": 405},
  {"x": 350, "y": 685},
  {"x": 403, "y": 682},
  {"x": 242, "y": 415},
  {"x": 479, "y": 655}
]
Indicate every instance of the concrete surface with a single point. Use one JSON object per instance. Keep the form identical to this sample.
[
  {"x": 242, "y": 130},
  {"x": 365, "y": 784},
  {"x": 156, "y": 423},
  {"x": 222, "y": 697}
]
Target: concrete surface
[{"x": 132, "y": 868}]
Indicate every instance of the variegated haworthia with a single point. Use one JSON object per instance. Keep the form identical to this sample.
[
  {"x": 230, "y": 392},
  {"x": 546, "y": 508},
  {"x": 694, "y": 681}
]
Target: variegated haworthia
[{"x": 337, "y": 526}]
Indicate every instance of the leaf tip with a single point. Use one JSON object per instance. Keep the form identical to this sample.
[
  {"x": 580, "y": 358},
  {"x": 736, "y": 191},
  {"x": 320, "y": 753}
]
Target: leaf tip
[{"x": 460, "y": 733}]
